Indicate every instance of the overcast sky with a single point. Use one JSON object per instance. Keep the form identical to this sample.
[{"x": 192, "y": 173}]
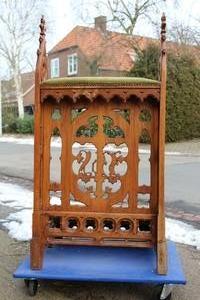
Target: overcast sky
[{"x": 66, "y": 15}]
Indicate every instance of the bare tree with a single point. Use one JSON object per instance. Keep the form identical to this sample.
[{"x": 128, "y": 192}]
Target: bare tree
[
  {"x": 124, "y": 15},
  {"x": 184, "y": 34},
  {"x": 127, "y": 13},
  {"x": 18, "y": 19}
]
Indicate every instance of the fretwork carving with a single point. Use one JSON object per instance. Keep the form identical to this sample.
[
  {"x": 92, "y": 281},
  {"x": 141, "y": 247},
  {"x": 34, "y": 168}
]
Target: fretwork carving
[{"x": 93, "y": 185}]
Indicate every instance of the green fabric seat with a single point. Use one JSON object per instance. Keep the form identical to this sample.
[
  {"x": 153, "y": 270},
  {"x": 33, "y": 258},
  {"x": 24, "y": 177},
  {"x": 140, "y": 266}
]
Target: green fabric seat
[{"x": 118, "y": 81}]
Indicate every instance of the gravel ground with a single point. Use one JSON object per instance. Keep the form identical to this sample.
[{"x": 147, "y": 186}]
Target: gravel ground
[{"x": 12, "y": 253}]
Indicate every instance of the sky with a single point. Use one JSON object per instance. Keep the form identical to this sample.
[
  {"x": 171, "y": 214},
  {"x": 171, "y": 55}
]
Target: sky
[{"x": 67, "y": 15}]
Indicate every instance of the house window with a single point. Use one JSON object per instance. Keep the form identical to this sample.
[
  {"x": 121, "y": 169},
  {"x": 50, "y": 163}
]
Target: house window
[
  {"x": 55, "y": 67},
  {"x": 72, "y": 64}
]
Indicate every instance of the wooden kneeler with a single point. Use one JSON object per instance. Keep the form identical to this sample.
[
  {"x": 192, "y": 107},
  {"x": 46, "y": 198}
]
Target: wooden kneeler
[{"x": 100, "y": 195}]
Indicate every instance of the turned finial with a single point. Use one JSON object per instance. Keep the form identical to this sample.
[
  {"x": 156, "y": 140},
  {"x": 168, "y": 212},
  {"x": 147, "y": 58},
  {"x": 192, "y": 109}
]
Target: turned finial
[
  {"x": 42, "y": 29},
  {"x": 163, "y": 28},
  {"x": 41, "y": 65}
]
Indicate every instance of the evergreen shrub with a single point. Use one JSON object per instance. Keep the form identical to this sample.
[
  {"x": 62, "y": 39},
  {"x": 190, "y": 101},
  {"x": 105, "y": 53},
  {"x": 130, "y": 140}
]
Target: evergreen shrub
[{"x": 183, "y": 90}]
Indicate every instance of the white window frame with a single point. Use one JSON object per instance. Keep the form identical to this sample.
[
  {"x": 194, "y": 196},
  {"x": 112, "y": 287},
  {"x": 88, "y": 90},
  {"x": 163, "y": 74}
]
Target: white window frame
[
  {"x": 72, "y": 64},
  {"x": 55, "y": 67}
]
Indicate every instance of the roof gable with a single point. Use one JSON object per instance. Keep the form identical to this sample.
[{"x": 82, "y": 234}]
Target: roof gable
[{"x": 110, "y": 50}]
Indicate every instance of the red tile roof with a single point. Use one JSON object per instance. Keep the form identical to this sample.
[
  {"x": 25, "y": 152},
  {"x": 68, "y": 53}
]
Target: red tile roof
[{"x": 111, "y": 49}]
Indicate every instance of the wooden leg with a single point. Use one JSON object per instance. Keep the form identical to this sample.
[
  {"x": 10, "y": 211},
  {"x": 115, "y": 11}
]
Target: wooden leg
[
  {"x": 37, "y": 252},
  {"x": 162, "y": 261},
  {"x": 37, "y": 243},
  {"x": 162, "y": 257}
]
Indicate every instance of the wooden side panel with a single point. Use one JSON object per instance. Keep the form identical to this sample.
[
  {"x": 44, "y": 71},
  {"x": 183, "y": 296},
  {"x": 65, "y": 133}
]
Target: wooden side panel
[
  {"x": 38, "y": 240},
  {"x": 99, "y": 166},
  {"x": 161, "y": 240},
  {"x": 100, "y": 193}
]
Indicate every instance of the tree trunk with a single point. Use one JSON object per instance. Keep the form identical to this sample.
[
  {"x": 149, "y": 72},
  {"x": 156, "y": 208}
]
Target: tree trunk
[{"x": 19, "y": 95}]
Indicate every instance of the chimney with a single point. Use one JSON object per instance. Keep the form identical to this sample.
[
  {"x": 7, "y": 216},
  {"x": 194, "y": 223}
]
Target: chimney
[{"x": 100, "y": 23}]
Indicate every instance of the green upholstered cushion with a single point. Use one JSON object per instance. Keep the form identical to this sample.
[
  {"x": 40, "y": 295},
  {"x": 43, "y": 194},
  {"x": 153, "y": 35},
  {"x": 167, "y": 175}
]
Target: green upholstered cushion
[{"x": 73, "y": 81}]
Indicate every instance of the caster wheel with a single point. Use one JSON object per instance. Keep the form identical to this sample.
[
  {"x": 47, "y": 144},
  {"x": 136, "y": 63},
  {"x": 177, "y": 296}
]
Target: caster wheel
[
  {"x": 157, "y": 293},
  {"x": 168, "y": 297},
  {"x": 32, "y": 287},
  {"x": 26, "y": 282}
]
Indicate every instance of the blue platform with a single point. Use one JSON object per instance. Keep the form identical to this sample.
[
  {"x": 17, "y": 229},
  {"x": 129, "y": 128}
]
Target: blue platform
[{"x": 108, "y": 264}]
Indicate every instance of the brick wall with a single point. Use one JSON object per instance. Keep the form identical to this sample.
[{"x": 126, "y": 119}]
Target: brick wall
[{"x": 85, "y": 66}]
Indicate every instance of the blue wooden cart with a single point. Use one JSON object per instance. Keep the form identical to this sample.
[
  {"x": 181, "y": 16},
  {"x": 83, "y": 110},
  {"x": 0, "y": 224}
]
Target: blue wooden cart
[{"x": 106, "y": 264}]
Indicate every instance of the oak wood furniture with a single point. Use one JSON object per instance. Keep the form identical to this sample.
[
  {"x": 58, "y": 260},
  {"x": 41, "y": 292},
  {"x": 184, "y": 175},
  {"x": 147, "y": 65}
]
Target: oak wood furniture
[{"x": 101, "y": 195}]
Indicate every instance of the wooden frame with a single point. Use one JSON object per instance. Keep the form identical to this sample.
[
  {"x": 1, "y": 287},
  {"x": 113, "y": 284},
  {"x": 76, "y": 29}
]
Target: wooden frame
[{"x": 97, "y": 200}]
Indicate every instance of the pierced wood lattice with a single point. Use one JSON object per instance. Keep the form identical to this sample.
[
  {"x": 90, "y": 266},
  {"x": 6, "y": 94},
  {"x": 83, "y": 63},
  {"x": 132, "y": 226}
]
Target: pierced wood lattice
[{"x": 103, "y": 191}]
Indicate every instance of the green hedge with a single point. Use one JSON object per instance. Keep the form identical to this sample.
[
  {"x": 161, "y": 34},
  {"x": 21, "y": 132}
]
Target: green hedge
[
  {"x": 25, "y": 125},
  {"x": 11, "y": 124},
  {"x": 183, "y": 91}
]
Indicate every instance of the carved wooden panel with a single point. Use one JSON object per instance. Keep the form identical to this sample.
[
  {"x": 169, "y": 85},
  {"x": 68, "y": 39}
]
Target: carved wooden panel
[
  {"x": 92, "y": 185},
  {"x": 98, "y": 170}
]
